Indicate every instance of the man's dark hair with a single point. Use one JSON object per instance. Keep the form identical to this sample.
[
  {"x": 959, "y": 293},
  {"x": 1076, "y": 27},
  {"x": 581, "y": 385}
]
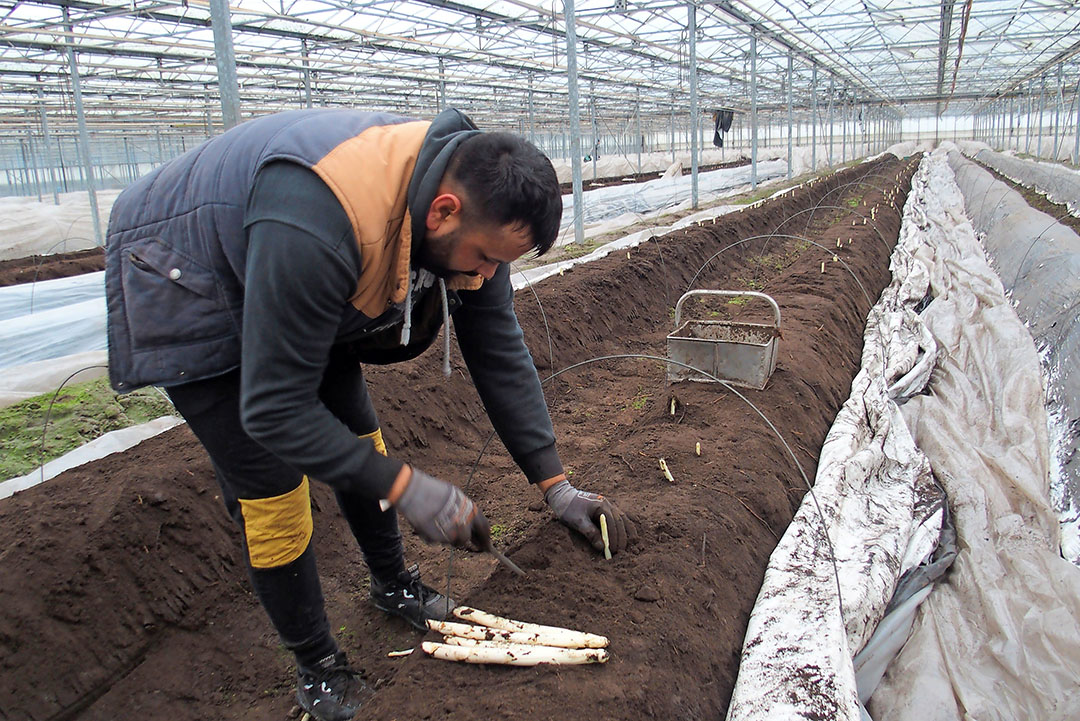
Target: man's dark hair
[{"x": 508, "y": 181}]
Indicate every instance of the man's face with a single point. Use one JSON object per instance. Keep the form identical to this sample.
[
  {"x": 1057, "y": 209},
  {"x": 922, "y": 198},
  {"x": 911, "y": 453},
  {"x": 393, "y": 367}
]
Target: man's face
[{"x": 455, "y": 246}]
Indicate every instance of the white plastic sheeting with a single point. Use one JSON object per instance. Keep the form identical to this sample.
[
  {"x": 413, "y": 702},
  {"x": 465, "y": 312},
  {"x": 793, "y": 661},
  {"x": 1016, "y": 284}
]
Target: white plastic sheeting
[
  {"x": 26, "y": 381},
  {"x": 111, "y": 442},
  {"x": 30, "y": 227},
  {"x": 53, "y": 333},
  {"x": 51, "y": 318},
  {"x": 875, "y": 512},
  {"x": 1056, "y": 182},
  {"x": 1001, "y": 638},
  {"x": 28, "y": 298},
  {"x": 1038, "y": 260},
  {"x": 608, "y": 202}
]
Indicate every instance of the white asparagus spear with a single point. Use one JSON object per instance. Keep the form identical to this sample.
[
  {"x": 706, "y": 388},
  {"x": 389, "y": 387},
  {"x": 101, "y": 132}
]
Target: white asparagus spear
[
  {"x": 515, "y": 655},
  {"x": 566, "y": 637},
  {"x": 501, "y": 643},
  {"x": 484, "y": 633}
]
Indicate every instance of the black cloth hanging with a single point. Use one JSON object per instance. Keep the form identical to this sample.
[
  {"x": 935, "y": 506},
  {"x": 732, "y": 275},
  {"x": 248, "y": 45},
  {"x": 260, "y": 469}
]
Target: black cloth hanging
[{"x": 721, "y": 124}]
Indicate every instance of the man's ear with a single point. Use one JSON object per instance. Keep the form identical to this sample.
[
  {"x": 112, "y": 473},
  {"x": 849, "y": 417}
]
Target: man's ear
[{"x": 445, "y": 207}]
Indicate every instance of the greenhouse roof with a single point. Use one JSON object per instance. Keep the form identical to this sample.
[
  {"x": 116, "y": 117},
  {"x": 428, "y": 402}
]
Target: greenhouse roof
[{"x": 152, "y": 62}]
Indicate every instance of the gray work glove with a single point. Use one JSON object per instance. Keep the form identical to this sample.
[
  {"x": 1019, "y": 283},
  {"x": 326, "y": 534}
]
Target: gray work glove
[
  {"x": 441, "y": 513},
  {"x": 581, "y": 511}
]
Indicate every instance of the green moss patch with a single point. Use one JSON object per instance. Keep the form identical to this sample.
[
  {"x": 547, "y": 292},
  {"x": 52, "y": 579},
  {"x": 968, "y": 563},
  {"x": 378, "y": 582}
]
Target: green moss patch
[{"x": 80, "y": 413}]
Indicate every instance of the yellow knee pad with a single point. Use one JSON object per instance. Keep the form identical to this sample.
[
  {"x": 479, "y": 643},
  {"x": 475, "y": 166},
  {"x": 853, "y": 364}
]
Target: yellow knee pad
[
  {"x": 377, "y": 439},
  {"x": 277, "y": 529}
]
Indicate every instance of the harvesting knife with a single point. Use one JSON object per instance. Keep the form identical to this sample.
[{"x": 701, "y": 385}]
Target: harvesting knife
[{"x": 503, "y": 559}]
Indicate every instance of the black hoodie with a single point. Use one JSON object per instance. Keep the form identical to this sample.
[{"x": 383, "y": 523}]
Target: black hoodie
[{"x": 302, "y": 266}]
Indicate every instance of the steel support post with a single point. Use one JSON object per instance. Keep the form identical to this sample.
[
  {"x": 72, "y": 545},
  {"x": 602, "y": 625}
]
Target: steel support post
[
  {"x": 1030, "y": 110},
  {"x": 60, "y": 163},
  {"x": 830, "y": 154},
  {"x": 999, "y": 117},
  {"x": 843, "y": 130},
  {"x": 672, "y": 120},
  {"x": 995, "y": 125},
  {"x": 84, "y": 134},
  {"x": 595, "y": 136},
  {"x": 442, "y": 89},
  {"x": 753, "y": 111},
  {"x": 47, "y": 145},
  {"x": 691, "y": 12},
  {"x": 1042, "y": 109},
  {"x": 638, "y": 140},
  {"x": 1007, "y": 120},
  {"x": 33, "y": 180},
  {"x": 1076, "y": 142},
  {"x": 305, "y": 62},
  {"x": 813, "y": 120},
  {"x": 532, "y": 126},
  {"x": 790, "y": 73},
  {"x": 575, "y": 118},
  {"x": 1057, "y": 113},
  {"x": 1006, "y": 114},
  {"x": 129, "y": 160},
  {"x": 228, "y": 89}
]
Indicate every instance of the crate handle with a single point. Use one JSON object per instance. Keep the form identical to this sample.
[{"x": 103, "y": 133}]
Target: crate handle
[{"x": 753, "y": 293}]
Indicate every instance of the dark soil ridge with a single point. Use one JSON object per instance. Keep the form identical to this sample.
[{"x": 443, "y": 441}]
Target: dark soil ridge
[
  {"x": 628, "y": 178},
  {"x": 49, "y": 267},
  {"x": 1038, "y": 201},
  {"x": 120, "y": 580}
]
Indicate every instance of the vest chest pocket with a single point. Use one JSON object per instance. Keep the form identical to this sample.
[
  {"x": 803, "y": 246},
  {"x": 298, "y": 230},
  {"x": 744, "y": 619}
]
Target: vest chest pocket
[{"x": 169, "y": 297}]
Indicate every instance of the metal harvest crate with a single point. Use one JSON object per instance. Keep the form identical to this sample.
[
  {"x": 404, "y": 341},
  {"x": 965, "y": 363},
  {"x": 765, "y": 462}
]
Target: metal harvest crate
[{"x": 743, "y": 354}]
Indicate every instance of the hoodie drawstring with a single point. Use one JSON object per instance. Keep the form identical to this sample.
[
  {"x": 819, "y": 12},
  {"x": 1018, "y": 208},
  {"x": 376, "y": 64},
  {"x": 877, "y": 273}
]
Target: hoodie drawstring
[
  {"x": 446, "y": 329},
  {"x": 406, "y": 328}
]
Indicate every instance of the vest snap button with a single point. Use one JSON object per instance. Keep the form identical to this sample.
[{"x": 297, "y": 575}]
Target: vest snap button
[{"x": 175, "y": 274}]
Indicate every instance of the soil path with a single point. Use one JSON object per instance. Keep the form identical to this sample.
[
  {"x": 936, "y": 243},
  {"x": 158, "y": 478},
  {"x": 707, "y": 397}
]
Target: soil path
[{"x": 121, "y": 581}]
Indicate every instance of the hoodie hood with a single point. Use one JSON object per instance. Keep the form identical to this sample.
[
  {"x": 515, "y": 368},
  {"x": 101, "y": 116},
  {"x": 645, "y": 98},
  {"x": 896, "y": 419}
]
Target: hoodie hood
[{"x": 447, "y": 131}]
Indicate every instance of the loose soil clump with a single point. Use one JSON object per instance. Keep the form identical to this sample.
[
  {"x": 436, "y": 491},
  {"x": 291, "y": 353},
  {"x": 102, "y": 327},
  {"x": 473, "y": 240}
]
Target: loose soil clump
[{"x": 121, "y": 581}]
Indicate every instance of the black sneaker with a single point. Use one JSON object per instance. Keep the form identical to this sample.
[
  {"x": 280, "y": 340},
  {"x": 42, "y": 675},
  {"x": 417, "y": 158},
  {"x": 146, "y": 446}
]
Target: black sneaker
[
  {"x": 330, "y": 691},
  {"x": 405, "y": 596}
]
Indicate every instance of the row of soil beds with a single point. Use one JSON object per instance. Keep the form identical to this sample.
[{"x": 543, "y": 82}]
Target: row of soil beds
[{"x": 122, "y": 583}]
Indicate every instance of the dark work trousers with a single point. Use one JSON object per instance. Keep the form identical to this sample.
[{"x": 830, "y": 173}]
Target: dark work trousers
[{"x": 291, "y": 594}]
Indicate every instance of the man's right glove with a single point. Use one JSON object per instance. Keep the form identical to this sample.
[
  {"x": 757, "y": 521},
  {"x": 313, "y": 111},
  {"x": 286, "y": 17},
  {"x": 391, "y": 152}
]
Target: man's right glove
[
  {"x": 441, "y": 513},
  {"x": 581, "y": 511}
]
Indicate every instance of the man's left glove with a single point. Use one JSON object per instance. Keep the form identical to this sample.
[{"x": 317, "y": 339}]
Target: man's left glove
[{"x": 580, "y": 510}]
